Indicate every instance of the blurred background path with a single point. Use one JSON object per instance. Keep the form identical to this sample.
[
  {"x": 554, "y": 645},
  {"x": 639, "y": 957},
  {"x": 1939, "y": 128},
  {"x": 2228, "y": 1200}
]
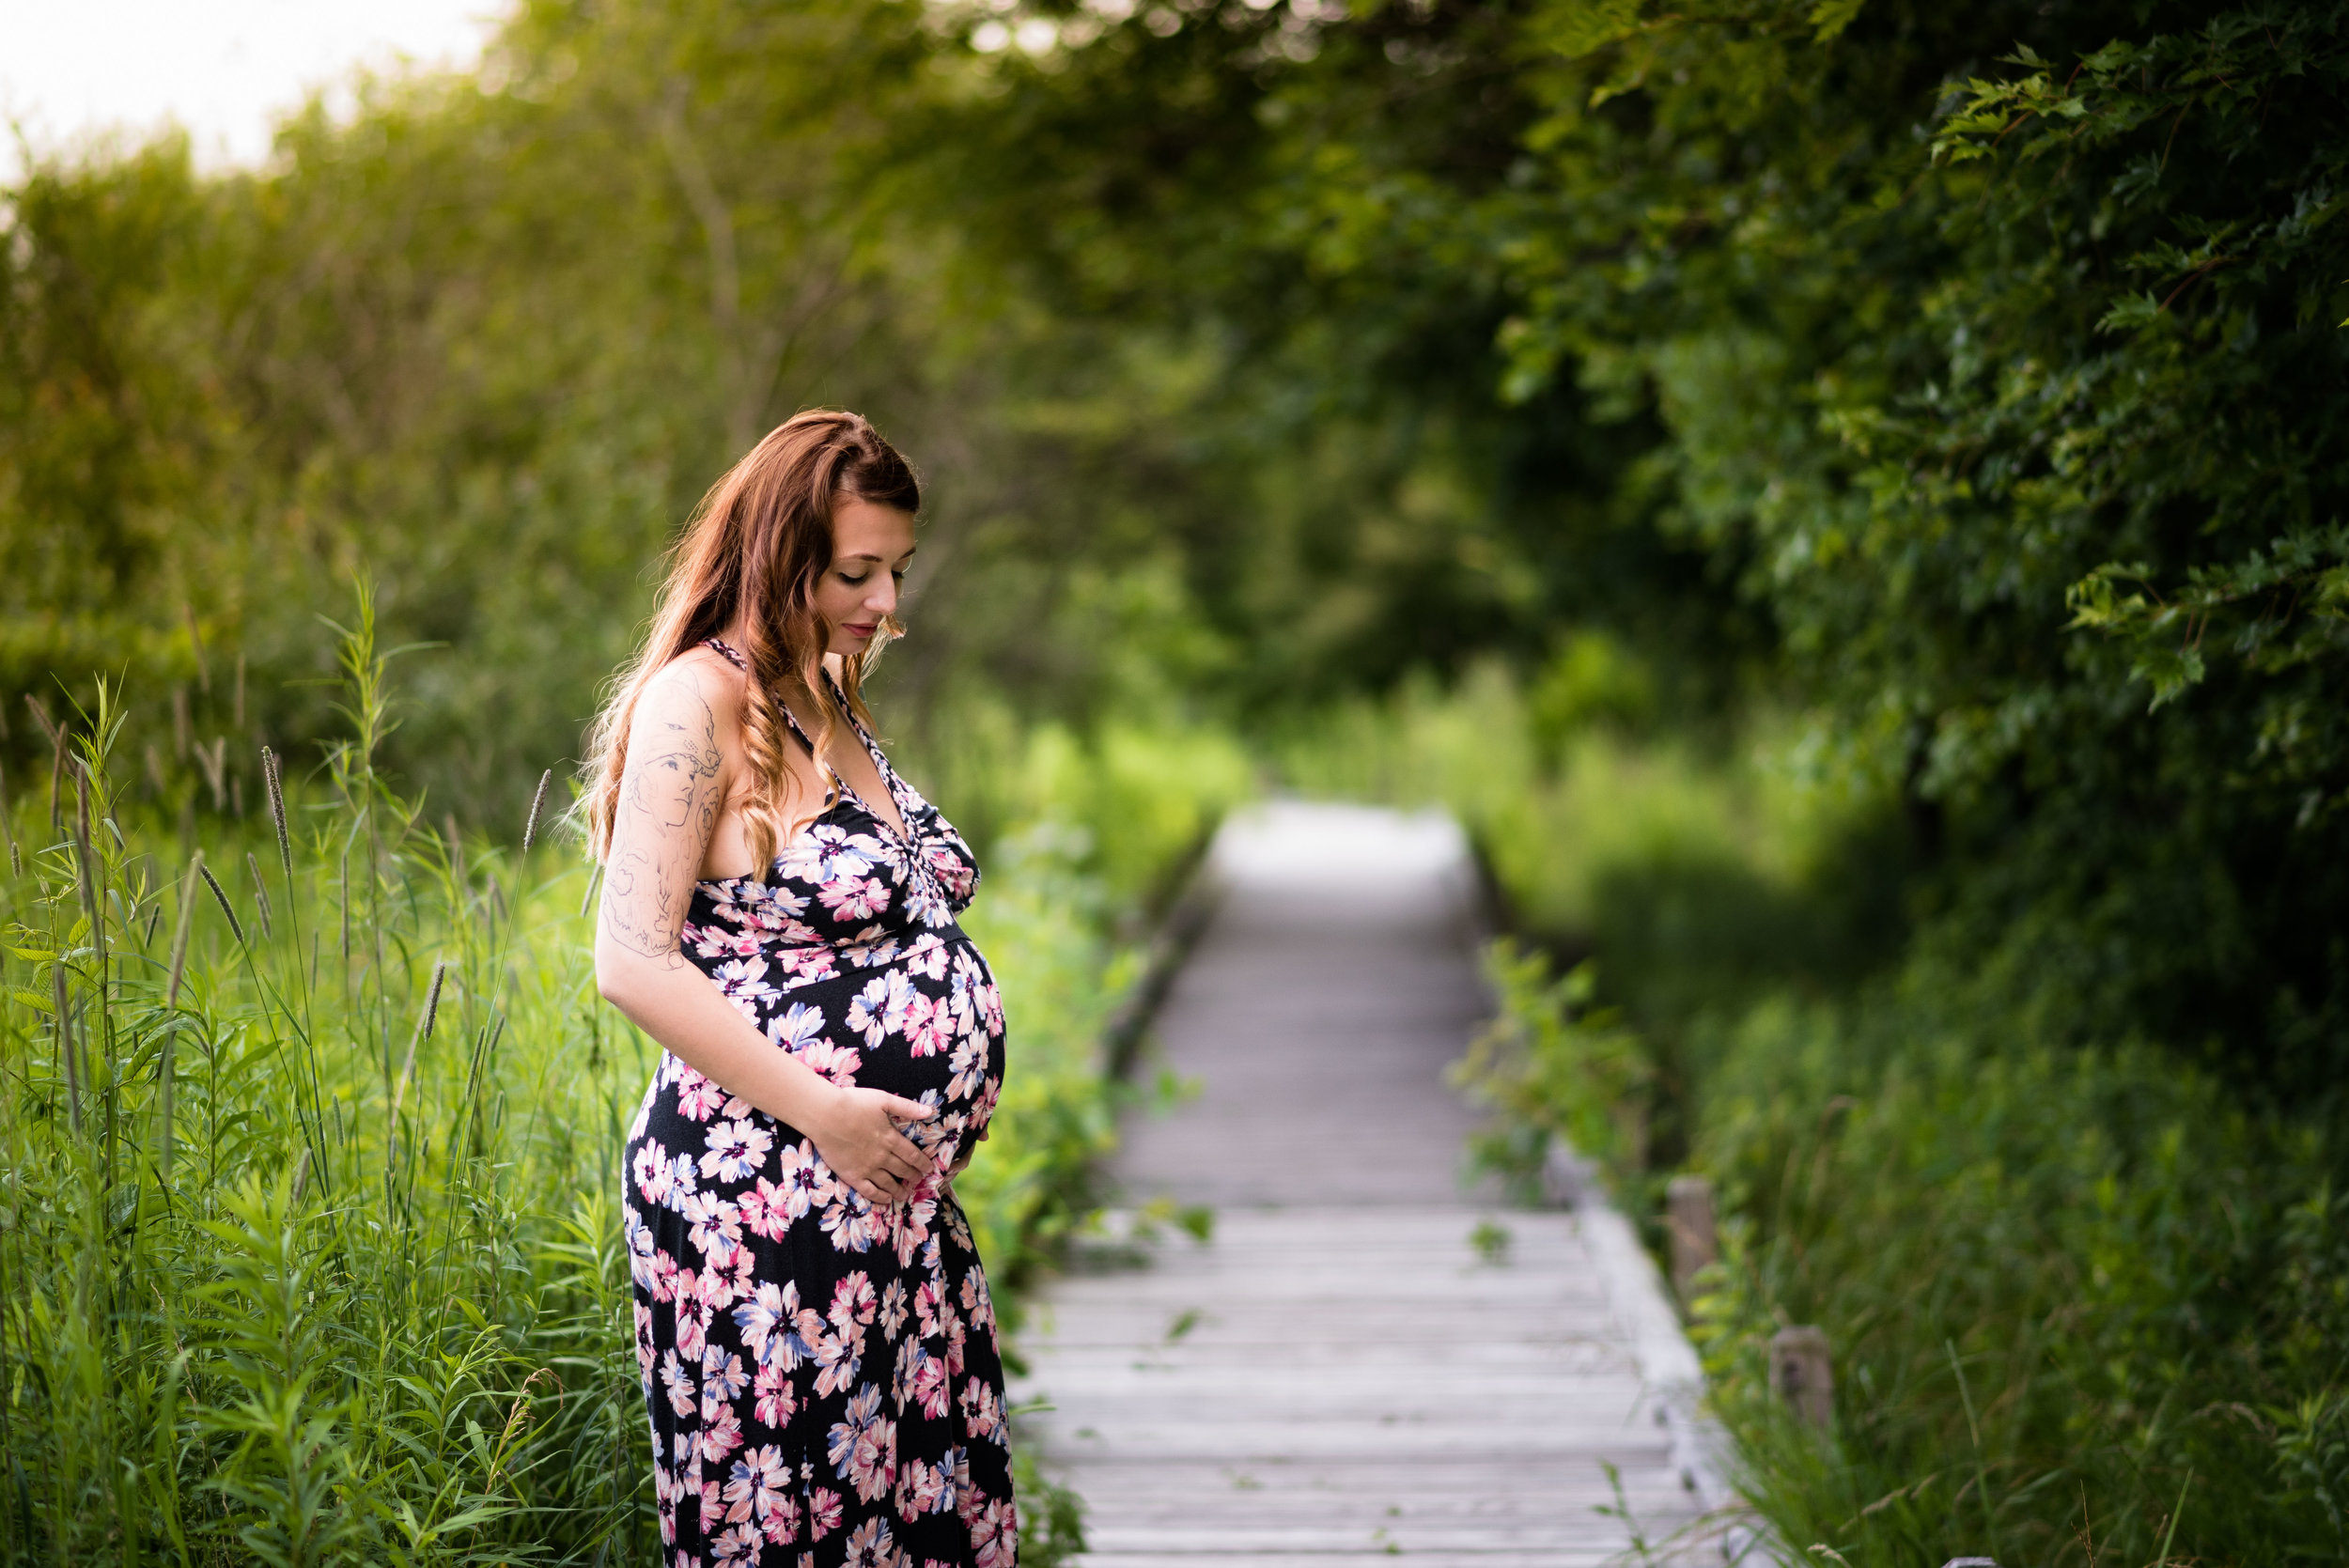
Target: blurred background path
[{"x": 1368, "y": 1358}]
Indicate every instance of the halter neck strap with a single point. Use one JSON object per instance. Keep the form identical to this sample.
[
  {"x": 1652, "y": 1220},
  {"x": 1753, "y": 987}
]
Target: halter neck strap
[{"x": 733, "y": 655}]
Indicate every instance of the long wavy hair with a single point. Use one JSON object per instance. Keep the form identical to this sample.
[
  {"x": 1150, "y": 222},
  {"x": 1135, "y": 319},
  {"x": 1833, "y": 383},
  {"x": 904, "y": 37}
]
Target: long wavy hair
[{"x": 759, "y": 541}]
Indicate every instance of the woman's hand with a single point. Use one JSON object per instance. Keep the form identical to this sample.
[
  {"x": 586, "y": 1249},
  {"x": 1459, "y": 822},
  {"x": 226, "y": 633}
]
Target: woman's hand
[{"x": 858, "y": 1137}]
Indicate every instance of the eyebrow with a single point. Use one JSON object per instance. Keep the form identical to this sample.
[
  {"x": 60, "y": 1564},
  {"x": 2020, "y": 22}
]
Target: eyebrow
[{"x": 875, "y": 559}]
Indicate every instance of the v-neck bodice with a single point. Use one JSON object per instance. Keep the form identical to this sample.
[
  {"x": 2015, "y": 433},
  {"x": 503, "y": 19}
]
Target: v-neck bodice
[{"x": 849, "y": 878}]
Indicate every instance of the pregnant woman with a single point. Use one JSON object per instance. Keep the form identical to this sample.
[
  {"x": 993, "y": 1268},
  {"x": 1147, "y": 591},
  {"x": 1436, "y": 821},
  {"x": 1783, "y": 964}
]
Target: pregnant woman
[{"x": 814, "y": 1330}]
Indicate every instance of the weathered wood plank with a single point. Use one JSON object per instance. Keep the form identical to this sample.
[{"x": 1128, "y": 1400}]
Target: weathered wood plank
[{"x": 1368, "y": 1358}]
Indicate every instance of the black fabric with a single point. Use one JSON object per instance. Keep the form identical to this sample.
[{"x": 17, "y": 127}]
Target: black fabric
[{"x": 821, "y": 1373}]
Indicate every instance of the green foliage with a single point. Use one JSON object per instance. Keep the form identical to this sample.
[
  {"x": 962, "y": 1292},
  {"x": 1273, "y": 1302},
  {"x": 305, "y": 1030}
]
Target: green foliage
[
  {"x": 1966, "y": 376},
  {"x": 2063, "y": 1288},
  {"x": 1555, "y": 1066},
  {"x": 488, "y": 338}
]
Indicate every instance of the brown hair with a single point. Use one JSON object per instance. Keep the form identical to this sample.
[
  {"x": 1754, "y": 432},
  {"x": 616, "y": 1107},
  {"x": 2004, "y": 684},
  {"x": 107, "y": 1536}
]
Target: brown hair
[{"x": 758, "y": 542}]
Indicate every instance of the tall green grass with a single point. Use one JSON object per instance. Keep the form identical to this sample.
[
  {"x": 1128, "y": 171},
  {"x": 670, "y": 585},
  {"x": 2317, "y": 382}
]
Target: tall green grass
[
  {"x": 2088, "y": 1304},
  {"x": 309, "y": 1248}
]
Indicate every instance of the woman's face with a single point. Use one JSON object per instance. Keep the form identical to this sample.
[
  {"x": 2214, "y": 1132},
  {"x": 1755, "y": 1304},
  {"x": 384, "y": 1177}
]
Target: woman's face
[{"x": 871, "y": 547}]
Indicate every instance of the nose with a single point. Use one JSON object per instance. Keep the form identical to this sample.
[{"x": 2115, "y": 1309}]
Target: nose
[{"x": 884, "y": 596}]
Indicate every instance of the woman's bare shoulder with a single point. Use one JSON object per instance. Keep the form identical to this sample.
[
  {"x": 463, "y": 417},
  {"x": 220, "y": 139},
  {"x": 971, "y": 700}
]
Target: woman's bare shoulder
[{"x": 697, "y": 695}]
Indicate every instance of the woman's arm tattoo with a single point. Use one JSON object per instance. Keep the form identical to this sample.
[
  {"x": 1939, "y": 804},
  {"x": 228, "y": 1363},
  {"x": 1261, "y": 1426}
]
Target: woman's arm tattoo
[{"x": 667, "y": 809}]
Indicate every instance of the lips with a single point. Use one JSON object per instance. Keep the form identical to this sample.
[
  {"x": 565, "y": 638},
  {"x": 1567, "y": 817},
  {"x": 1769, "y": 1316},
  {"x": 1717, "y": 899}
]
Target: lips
[{"x": 855, "y": 631}]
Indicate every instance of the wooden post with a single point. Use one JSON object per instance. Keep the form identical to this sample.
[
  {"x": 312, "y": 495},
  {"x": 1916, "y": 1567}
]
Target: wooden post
[
  {"x": 1803, "y": 1376},
  {"x": 1689, "y": 1210}
]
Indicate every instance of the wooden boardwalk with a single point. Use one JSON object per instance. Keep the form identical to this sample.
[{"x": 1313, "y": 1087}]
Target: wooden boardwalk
[{"x": 1368, "y": 1358}]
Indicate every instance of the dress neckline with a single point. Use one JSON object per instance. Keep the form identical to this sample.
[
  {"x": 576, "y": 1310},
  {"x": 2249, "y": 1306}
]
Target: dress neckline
[{"x": 839, "y": 782}]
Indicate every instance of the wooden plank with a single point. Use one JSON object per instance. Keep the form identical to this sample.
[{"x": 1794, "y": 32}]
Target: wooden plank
[{"x": 1340, "y": 1374}]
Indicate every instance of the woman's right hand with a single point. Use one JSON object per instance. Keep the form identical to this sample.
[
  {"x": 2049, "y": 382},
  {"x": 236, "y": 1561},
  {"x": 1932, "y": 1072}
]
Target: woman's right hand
[{"x": 860, "y": 1140}]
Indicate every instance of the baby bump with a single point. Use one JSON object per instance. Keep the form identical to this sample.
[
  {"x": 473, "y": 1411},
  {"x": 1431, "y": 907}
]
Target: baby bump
[{"x": 927, "y": 1025}]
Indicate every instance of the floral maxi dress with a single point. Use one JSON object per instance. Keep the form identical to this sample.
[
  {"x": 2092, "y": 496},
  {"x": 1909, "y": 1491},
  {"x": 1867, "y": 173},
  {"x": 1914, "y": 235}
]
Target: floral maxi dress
[{"x": 823, "y": 1374}]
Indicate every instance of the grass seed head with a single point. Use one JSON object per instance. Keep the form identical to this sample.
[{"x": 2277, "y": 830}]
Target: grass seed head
[
  {"x": 273, "y": 774},
  {"x": 432, "y": 998},
  {"x": 537, "y": 802},
  {"x": 222, "y": 894}
]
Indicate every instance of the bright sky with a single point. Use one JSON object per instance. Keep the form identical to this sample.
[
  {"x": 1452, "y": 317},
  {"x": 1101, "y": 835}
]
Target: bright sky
[{"x": 225, "y": 69}]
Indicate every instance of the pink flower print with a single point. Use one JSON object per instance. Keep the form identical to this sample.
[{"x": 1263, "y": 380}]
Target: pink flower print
[
  {"x": 812, "y": 959},
  {"x": 982, "y": 1412},
  {"x": 863, "y": 1448},
  {"x": 775, "y": 1399},
  {"x": 676, "y": 1385},
  {"x": 848, "y": 1220},
  {"x": 737, "y": 1150},
  {"x": 926, "y": 904},
  {"x": 693, "y": 1315},
  {"x": 959, "y": 1226},
  {"x": 778, "y": 1330},
  {"x": 722, "y": 1377},
  {"x": 711, "y": 1510},
  {"x": 721, "y": 1436},
  {"x": 641, "y": 1250},
  {"x": 823, "y": 1512},
  {"x": 976, "y": 1300},
  {"x": 781, "y": 1524},
  {"x": 968, "y": 1063},
  {"x": 996, "y": 1534},
  {"x": 952, "y": 871},
  {"x": 991, "y": 1009},
  {"x": 665, "y": 1491},
  {"x": 856, "y": 898},
  {"x": 796, "y": 1027},
  {"x": 651, "y": 1170},
  {"x": 892, "y": 1308},
  {"x": 912, "y": 1221},
  {"x": 930, "y": 1026},
  {"x": 826, "y": 853},
  {"x": 870, "y": 1548},
  {"x": 923, "y": 1489},
  {"x": 869, "y": 1011},
  {"x": 836, "y": 1361},
  {"x": 644, "y": 1345},
  {"x": 766, "y": 1210},
  {"x": 739, "y": 1545},
  {"x": 759, "y": 1484},
  {"x": 714, "y": 1226},
  {"x": 928, "y": 1302},
  {"x": 852, "y": 1301},
  {"x": 927, "y": 957},
  {"x": 807, "y": 1181},
  {"x": 738, "y": 1274},
  {"x": 762, "y": 1318},
  {"x": 697, "y": 1098},
  {"x": 922, "y": 1381},
  {"x": 835, "y": 1062},
  {"x": 662, "y": 1276},
  {"x": 744, "y": 979}
]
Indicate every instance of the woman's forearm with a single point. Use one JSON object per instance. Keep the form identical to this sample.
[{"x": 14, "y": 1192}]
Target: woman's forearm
[{"x": 678, "y": 1005}]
